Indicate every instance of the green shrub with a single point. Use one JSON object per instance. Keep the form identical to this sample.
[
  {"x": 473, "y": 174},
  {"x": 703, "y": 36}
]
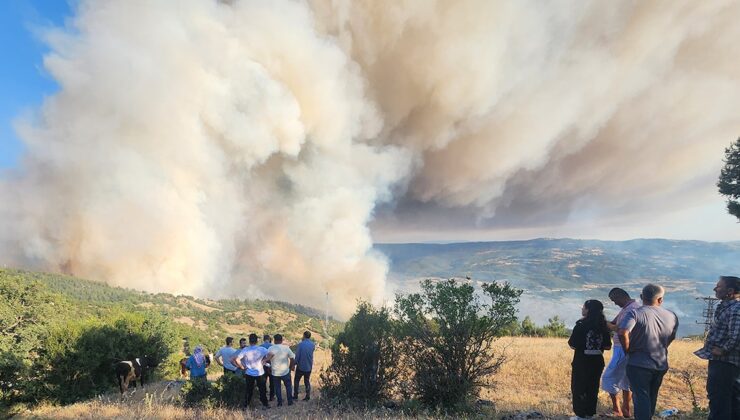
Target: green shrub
[
  {"x": 448, "y": 335},
  {"x": 229, "y": 390},
  {"x": 198, "y": 393},
  {"x": 364, "y": 362},
  {"x": 77, "y": 358}
]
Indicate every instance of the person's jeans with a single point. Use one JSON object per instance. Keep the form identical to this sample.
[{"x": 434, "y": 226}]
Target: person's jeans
[
  {"x": 723, "y": 390},
  {"x": 270, "y": 382},
  {"x": 260, "y": 380},
  {"x": 278, "y": 381},
  {"x": 306, "y": 381},
  {"x": 645, "y": 384}
]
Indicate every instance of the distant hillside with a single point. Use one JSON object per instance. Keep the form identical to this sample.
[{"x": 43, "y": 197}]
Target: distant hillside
[
  {"x": 214, "y": 319},
  {"x": 559, "y": 274}
]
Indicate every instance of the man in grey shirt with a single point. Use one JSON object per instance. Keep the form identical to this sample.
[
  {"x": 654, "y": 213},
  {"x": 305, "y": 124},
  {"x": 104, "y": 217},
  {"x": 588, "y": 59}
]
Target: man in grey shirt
[{"x": 645, "y": 334}]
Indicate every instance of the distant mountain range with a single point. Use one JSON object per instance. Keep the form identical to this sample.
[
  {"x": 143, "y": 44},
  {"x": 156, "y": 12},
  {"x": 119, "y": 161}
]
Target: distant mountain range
[{"x": 559, "y": 274}]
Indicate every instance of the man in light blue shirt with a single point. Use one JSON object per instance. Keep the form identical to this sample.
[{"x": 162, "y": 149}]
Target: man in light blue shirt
[
  {"x": 250, "y": 360},
  {"x": 224, "y": 354},
  {"x": 267, "y": 343},
  {"x": 304, "y": 361}
]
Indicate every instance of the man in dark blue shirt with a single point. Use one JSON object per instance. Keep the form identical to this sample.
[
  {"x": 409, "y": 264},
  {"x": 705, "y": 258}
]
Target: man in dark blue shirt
[{"x": 304, "y": 365}]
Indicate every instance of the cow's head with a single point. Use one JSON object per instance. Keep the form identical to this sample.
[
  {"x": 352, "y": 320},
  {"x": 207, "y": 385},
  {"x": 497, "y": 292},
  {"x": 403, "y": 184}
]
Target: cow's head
[{"x": 149, "y": 361}]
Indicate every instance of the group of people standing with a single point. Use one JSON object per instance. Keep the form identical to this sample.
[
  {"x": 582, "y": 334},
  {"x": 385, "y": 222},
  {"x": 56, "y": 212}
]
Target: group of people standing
[
  {"x": 640, "y": 353},
  {"x": 264, "y": 365}
]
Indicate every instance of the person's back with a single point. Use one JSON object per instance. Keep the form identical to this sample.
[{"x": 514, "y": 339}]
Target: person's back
[
  {"x": 251, "y": 358},
  {"x": 653, "y": 328},
  {"x": 304, "y": 355},
  {"x": 197, "y": 363},
  {"x": 224, "y": 354},
  {"x": 280, "y": 361}
]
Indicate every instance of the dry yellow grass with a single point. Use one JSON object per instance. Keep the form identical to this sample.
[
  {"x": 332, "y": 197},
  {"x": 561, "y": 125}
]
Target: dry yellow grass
[{"x": 536, "y": 377}]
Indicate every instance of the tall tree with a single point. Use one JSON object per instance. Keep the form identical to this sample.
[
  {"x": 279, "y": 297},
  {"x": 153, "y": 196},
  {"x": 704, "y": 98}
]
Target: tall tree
[{"x": 729, "y": 178}]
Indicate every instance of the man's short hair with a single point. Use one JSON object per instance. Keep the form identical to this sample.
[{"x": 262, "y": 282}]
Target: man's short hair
[
  {"x": 229, "y": 340},
  {"x": 306, "y": 334},
  {"x": 652, "y": 292},
  {"x": 266, "y": 337},
  {"x": 278, "y": 338},
  {"x": 619, "y": 292},
  {"x": 253, "y": 338},
  {"x": 731, "y": 282}
]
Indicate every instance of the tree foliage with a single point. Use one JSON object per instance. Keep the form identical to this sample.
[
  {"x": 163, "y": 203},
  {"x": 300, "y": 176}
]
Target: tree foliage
[
  {"x": 729, "y": 178},
  {"x": 76, "y": 359},
  {"x": 449, "y": 332},
  {"x": 365, "y": 362}
]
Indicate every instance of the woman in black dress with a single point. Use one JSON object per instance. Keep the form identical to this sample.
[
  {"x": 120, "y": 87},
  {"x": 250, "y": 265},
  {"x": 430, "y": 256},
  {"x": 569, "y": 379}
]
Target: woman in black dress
[{"x": 589, "y": 339}]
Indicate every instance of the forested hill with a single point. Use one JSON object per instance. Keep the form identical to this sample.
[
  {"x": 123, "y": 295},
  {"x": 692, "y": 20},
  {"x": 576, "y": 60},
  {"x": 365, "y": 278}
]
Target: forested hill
[
  {"x": 557, "y": 263},
  {"x": 559, "y": 274},
  {"x": 208, "y": 321}
]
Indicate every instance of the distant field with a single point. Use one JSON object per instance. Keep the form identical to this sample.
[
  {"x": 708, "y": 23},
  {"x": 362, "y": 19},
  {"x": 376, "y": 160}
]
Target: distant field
[{"x": 537, "y": 377}]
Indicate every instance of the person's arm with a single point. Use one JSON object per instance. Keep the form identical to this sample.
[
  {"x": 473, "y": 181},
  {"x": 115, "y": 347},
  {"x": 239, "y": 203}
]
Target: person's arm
[
  {"x": 607, "y": 340},
  {"x": 673, "y": 333},
  {"x": 624, "y": 338},
  {"x": 298, "y": 353},
  {"x": 732, "y": 339},
  {"x": 575, "y": 337},
  {"x": 625, "y": 326},
  {"x": 236, "y": 361}
]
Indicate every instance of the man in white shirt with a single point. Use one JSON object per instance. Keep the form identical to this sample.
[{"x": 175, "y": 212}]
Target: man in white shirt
[
  {"x": 224, "y": 354},
  {"x": 282, "y": 358},
  {"x": 250, "y": 359}
]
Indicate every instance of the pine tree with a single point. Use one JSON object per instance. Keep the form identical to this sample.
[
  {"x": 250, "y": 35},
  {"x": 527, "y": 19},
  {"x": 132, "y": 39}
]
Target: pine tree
[{"x": 729, "y": 178}]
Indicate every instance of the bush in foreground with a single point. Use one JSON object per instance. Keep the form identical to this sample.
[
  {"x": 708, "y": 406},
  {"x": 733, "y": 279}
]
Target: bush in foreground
[
  {"x": 448, "y": 334},
  {"x": 364, "y": 362}
]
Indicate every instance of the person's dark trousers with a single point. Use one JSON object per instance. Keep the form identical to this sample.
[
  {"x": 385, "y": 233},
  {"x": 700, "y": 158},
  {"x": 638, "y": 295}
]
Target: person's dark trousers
[
  {"x": 279, "y": 380},
  {"x": 229, "y": 371},
  {"x": 723, "y": 390},
  {"x": 260, "y": 380},
  {"x": 270, "y": 382},
  {"x": 645, "y": 384},
  {"x": 584, "y": 385},
  {"x": 306, "y": 381}
]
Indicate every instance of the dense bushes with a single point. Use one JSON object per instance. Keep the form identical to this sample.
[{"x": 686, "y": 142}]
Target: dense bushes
[
  {"x": 227, "y": 392},
  {"x": 77, "y": 358},
  {"x": 436, "y": 349},
  {"x": 364, "y": 361}
]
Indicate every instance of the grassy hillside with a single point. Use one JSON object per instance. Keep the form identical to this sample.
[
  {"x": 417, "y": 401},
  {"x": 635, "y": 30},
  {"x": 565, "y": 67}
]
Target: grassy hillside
[{"x": 212, "y": 319}]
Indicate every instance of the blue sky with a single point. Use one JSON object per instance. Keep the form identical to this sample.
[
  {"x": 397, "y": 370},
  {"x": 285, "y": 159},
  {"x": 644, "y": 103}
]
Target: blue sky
[{"x": 23, "y": 80}]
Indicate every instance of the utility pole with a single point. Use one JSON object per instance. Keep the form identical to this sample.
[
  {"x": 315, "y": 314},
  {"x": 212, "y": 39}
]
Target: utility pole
[
  {"x": 707, "y": 313},
  {"x": 326, "y": 317}
]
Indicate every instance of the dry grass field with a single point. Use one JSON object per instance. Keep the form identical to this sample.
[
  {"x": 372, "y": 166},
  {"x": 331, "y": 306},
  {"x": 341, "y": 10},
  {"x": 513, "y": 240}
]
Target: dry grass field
[{"x": 536, "y": 377}]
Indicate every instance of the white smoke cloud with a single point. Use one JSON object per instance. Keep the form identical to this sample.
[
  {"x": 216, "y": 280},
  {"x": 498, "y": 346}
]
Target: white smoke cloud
[{"x": 240, "y": 148}]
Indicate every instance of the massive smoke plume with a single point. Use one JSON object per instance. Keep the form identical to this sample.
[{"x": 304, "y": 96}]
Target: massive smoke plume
[{"x": 241, "y": 148}]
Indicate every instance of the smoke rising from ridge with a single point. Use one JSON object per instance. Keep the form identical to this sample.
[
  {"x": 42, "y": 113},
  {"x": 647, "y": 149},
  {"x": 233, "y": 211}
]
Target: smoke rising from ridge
[{"x": 241, "y": 148}]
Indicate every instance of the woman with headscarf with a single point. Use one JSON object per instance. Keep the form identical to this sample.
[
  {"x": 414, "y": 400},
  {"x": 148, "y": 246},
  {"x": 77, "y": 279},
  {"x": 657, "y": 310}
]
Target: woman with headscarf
[
  {"x": 197, "y": 364},
  {"x": 589, "y": 339}
]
